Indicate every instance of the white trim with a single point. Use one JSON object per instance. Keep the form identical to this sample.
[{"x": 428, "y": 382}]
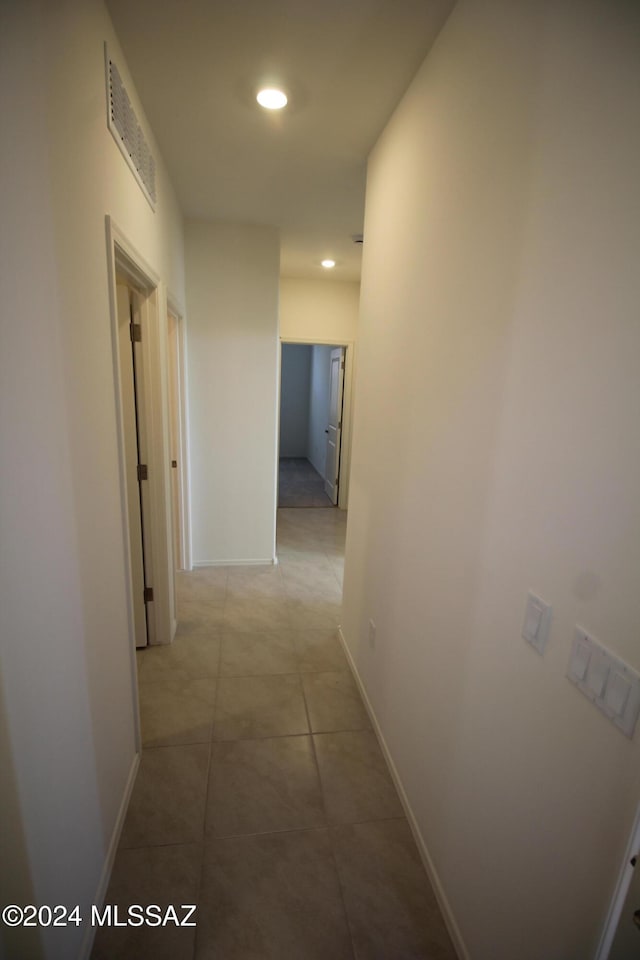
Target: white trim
[
  {"x": 122, "y": 256},
  {"x": 347, "y": 406},
  {"x": 103, "y": 884},
  {"x": 139, "y": 270},
  {"x": 447, "y": 913},
  {"x": 271, "y": 562},
  {"x": 276, "y": 439},
  {"x": 185, "y": 560},
  {"x": 113, "y": 236},
  {"x": 620, "y": 895}
]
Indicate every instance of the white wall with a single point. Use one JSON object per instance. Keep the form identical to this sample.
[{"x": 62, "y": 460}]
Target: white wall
[
  {"x": 319, "y": 407},
  {"x": 295, "y": 387},
  {"x": 232, "y": 342},
  {"x": 496, "y": 450},
  {"x": 319, "y": 311},
  {"x": 66, "y": 660}
]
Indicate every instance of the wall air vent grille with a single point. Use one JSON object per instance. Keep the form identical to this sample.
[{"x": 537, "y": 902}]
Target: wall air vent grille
[{"x": 124, "y": 126}]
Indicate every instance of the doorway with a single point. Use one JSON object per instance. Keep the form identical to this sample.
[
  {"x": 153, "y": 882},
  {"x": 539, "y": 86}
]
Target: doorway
[
  {"x": 176, "y": 366},
  {"x": 139, "y": 326},
  {"x": 311, "y": 421},
  {"x": 136, "y": 449}
]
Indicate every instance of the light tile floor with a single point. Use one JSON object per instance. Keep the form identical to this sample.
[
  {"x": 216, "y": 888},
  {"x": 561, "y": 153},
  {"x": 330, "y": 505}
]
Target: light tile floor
[{"x": 263, "y": 796}]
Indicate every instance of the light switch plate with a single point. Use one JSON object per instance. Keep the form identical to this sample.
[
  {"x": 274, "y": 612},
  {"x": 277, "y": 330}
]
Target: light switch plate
[
  {"x": 611, "y": 685},
  {"x": 536, "y": 623},
  {"x": 617, "y": 694}
]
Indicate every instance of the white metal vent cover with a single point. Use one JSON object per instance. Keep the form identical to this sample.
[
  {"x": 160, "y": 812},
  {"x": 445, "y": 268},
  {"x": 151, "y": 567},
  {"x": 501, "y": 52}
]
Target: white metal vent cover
[{"x": 123, "y": 123}]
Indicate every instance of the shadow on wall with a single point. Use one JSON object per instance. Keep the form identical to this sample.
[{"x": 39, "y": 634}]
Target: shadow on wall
[{"x": 15, "y": 877}]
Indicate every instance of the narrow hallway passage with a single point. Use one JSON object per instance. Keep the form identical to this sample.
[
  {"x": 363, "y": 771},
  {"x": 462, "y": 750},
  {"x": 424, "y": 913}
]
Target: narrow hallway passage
[
  {"x": 263, "y": 796},
  {"x": 300, "y": 484}
]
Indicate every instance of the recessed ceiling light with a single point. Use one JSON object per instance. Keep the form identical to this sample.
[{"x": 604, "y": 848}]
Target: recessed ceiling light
[
  {"x": 328, "y": 264},
  {"x": 272, "y": 99}
]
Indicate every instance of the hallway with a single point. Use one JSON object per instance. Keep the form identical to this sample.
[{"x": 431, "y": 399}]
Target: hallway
[
  {"x": 262, "y": 794},
  {"x": 300, "y": 484}
]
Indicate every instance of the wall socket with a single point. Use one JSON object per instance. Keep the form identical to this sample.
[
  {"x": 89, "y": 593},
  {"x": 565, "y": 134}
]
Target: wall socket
[{"x": 372, "y": 634}]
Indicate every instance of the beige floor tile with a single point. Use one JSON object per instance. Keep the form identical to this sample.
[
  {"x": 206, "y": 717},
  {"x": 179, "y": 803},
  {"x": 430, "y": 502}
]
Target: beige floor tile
[
  {"x": 249, "y": 708},
  {"x": 306, "y": 570},
  {"x": 191, "y": 655},
  {"x": 390, "y": 904},
  {"x": 205, "y": 629},
  {"x": 214, "y": 576},
  {"x": 177, "y": 711},
  {"x": 256, "y": 654},
  {"x": 203, "y": 613},
  {"x": 316, "y": 615},
  {"x": 325, "y": 589},
  {"x": 255, "y": 583},
  {"x": 273, "y": 897},
  {"x": 168, "y": 800},
  {"x": 295, "y": 551},
  {"x": 200, "y": 591},
  {"x": 251, "y": 615},
  {"x": 263, "y": 786},
  {"x": 166, "y": 876},
  {"x": 355, "y": 780},
  {"x": 334, "y": 703},
  {"x": 337, "y": 565},
  {"x": 319, "y": 651}
]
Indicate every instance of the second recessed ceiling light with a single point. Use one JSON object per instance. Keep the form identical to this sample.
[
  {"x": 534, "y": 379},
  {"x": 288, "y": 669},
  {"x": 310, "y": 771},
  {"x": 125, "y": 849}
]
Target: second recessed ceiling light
[
  {"x": 328, "y": 264},
  {"x": 272, "y": 99}
]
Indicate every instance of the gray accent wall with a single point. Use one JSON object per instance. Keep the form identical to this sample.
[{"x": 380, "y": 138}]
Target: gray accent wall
[{"x": 294, "y": 399}]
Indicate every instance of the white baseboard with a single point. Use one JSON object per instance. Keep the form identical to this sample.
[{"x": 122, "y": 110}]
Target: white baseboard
[
  {"x": 272, "y": 561},
  {"x": 443, "y": 903},
  {"x": 98, "y": 900}
]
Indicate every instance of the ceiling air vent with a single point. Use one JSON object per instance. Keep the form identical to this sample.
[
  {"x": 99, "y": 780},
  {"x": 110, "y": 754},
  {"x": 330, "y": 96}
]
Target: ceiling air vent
[{"x": 123, "y": 123}]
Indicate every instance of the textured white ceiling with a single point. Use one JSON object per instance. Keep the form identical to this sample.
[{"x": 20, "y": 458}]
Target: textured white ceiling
[{"x": 345, "y": 63}]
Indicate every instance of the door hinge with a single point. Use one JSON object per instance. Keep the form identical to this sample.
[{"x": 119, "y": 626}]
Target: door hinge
[
  {"x": 135, "y": 331},
  {"x": 174, "y": 464},
  {"x": 340, "y": 425},
  {"x": 143, "y": 471},
  {"x": 342, "y": 365},
  {"x": 148, "y": 594}
]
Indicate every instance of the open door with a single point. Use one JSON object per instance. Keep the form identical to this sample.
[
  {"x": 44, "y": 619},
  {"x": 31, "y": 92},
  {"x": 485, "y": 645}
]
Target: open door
[
  {"x": 175, "y": 438},
  {"x": 135, "y": 443},
  {"x": 334, "y": 429}
]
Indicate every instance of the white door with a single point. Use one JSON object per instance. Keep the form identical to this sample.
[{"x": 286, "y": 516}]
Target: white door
[
  {"x": 174, "y": 439},
  {"x": 334, "y": 428},
  {"x": 133, "y": 415}
]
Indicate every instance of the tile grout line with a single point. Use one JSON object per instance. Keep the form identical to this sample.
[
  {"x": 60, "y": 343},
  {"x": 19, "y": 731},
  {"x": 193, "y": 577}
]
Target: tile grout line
[
  {"x": 327, "y": 827},
  {"x": 326, "y": 818},
  {"x": 198, "y": 897},
  {"x": 221, "y": 633}
]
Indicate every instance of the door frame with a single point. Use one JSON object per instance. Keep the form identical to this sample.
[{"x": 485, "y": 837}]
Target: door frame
[
  {"x": 620, "y": 895},
  {"x": 347, "y": 408},
  {"x": 184, "y": 560},
  {"x": 339, "y": 354},
  {"x": 124, "y": 259}
]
